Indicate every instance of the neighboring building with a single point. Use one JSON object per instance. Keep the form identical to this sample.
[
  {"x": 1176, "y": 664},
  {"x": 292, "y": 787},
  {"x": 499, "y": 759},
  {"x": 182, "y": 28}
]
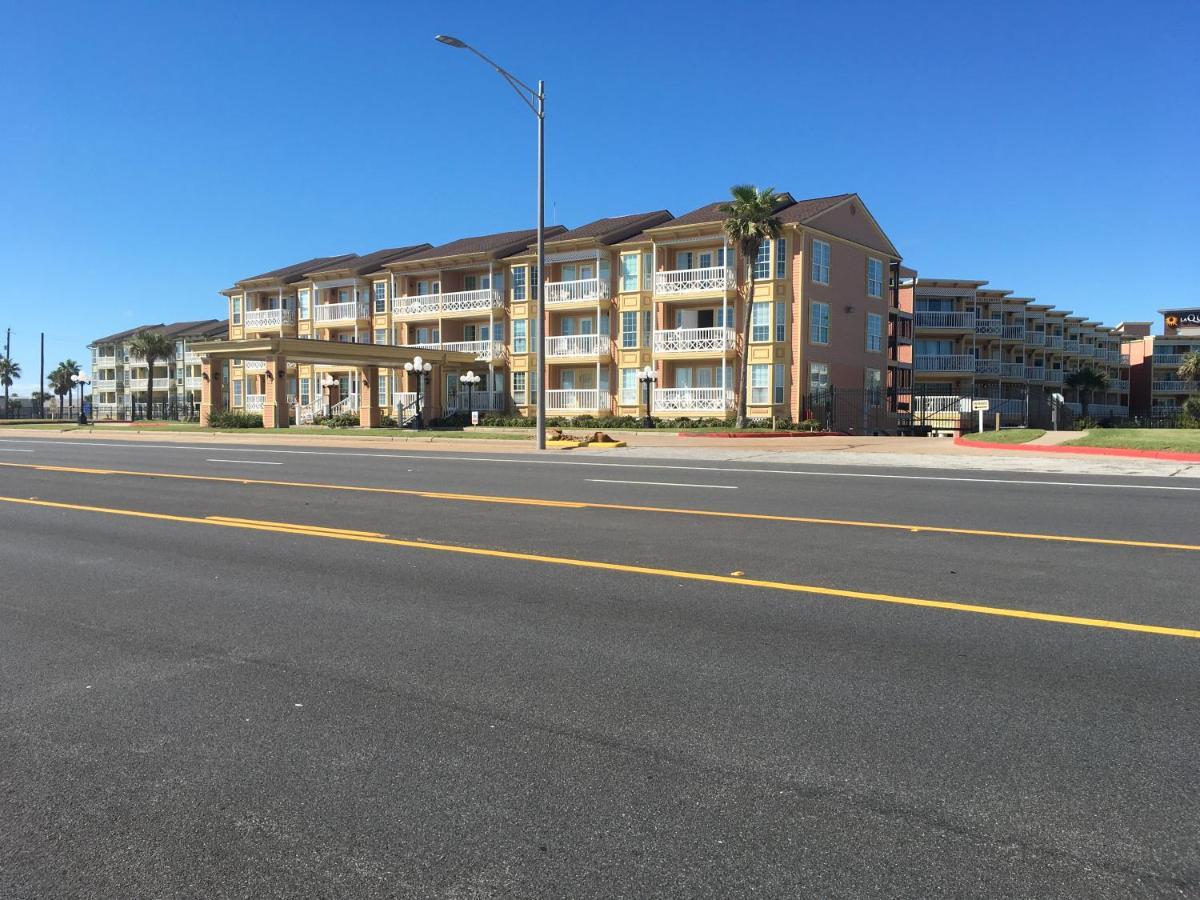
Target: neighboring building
[
  {"x": 1157, "y": 390},
  {"x": 621, "y": 293},
  {"x": 119, "y": 379}
]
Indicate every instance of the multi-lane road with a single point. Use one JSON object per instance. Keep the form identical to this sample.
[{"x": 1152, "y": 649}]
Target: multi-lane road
[{"x": 253, "y": 671}]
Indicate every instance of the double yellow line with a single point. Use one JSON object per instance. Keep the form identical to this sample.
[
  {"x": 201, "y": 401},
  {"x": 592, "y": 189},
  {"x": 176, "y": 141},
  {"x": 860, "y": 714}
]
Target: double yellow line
[{"x": 371, "y": 537}]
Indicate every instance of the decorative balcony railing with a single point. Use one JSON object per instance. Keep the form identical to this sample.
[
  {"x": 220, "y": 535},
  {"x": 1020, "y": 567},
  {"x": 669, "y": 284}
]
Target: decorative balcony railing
[
  {"x": 269, "y": 318},
  {"x": 692, "y": 281},
  {"x": 1173, "y": 387},
  {"x": 254, "y": 365},
  {"x": 582, "y": 290},
  {"x": 572, "y": 400},
  {"x": 950, "y": 362},
  {"x": 695, "y": 340},
  {"x": 485, "y": 351},
  {"x": 988, "y": 327},
  {"x": 254, "y": 402},
  {"x": 578, "y": 345},
  {"x": 482, "y": 299},
  {"x": 350, "y": 311},
  {"x": 987, "y": 367},
  {"x": 193, "y": 382},
  {"x": 694, "y": 399},
  {"x": 957, "y": 320}
]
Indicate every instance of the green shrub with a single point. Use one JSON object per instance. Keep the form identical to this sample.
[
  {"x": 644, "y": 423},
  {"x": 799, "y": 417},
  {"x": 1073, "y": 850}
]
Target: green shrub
[
  {"x": 234, "y": 418},
  {"x": 1086, "y": 423},
  {"x": 341, "y": 420}
]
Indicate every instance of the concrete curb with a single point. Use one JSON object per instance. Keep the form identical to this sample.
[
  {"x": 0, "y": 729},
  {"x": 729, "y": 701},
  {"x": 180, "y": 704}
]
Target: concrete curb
[{"x": 1082, "y": 451}]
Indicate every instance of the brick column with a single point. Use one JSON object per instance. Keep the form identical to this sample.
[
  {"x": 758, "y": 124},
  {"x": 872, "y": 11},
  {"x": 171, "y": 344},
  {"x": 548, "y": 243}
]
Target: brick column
[
  {"x": 275, "y": 408},
  {"x": 368, "y": 397},
  {"x": 212, "y": 389}
]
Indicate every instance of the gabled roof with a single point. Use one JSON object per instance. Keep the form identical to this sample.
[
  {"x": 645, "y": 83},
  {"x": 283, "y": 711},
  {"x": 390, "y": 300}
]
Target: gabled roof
[
  {"x": 496, "y": 246},
  {"x": 614, "y": 229},
  {"x": 712, "y": 213},
  {"x": 950, "y": 283},
  {"x": 295, "y": 272},
  {"x": 127, "y": 333},
  {"x": 362, "y": 265},
  {"x": 199, "y": 328},
  {"x": 803, "y": 210}
]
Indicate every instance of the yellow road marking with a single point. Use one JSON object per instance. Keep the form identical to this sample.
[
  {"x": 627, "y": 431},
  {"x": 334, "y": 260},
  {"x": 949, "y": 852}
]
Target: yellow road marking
[
  {"x": 364, "y": 537},
  {"x": 301, "y": 528},
  {"x": 625, "y": 507}
]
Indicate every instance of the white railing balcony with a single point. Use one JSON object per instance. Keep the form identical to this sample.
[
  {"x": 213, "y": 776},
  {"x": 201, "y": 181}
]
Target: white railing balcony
[
  {"x": 693, "y": 399},
  {"x": 1173, "y": 387},
  {"x": 987, "y": 367},
  {"x": 482, "y": 299},
  {"x": 1106, "y": 410},
  {"x": 1035, "y": 373},
  {"x": 1013, "y": 333},
  {"x": 1012, "y": 370},
  {"x": 583, "y": 290},
  {"x": 1070, "y": 346},
  {"x": 485, "y": 351},
  {"x": 104, "y": 384},
  {"x": 950, "y": 362},
  {"x": 956, "y": 320},
  {"x": 192, "y": 359},
  {"x": 193, "y": 382},
  {"x": 480, "y": 401},
  {"x": 578, "y": 345},
  {"x": 1123, "y": 359},
  {"x": 693, "y": 281},
  {"x": 104, "y": 362},
  {"x": 1120, "y": 385},
  {"x": 1054, "y": 341},
  {"x": 1168, "y": 359},
  {"x": 1035, "y": 338},
  {"x": 578, "y": 400},
  {"x": 988, "y": 327},
  {"x": 254, "y": 402},
  {"x": 350, "y": 311},
  {"x": 142, "y": 384},
  {"x": 254, "y": 365},
  {"x": 1055, "y": 376},
  {"x": 695, "y": 340},
  {"x": 269, "y": 318}
]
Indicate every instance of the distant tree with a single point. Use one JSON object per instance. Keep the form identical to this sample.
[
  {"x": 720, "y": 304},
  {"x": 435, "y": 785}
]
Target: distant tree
[
  {"x": 150, "y": 346},
  {"x": 750, "y": 221},
  {"x": 1085, "y": 382},
  {"x": 60, "y": 380},
  {"x": 9, "y": 372},
  {"x": 1189, "y": 369}
]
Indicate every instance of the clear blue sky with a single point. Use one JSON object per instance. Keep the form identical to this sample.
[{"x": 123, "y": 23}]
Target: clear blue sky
[{"x": 153, "y": 152}]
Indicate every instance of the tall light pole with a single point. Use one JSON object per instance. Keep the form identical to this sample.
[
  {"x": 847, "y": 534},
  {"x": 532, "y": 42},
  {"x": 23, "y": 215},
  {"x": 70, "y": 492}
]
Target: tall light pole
[
  {"x": 536, "y": 101},
  {"x": 81, "y": 380},
  {"x": 421, "y": 369}
]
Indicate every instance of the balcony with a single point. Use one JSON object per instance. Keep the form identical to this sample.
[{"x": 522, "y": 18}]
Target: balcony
[
  {"x": 572, "y": 400},
  {"x": 193, "y": 383},
  {"x": 1054, "y": 341},
  {"x": 959, "y": 321},
  {"x": 695, "y": 340},
  {"x": 104, "y": 384},
  {"x": 1070, "y": 346},
  {"x": 1035, "y": 338},
  {"x": 988, "y": 327},
  {"x": 957, "y": 362},
  {"x": 1168, "y": 359},
  {"x": 268, "y": 318},
  {"x": 577, "y": 345},
  {"x": 694, "y": 281},
  {"x": 694, "y": 399},
  {"x": 485, "y": 351},
  {"x": 104, "y": 362},
  {"x": 480, "y": 401},
  {"x": 1055, "y": 376},
  {"x": 254, "y": 402},
  {"x": 254, "y": 365},
  {"x": 192, "y": 359},
  {"x": 335, "y": 313},
  {"x": 453, "y": 303},
  {"x": 1035, "y": 373},
  {"x": 583, "y": 290},
  {"x": 987, "y": 367},
  {"x": 1012, "y": 370},
  {"x": 1012, "y": 333},
  {"x": 1120, "y": 385},
  {"x": 140, "y": 384},
  {"x": 1173, "y": 387}
]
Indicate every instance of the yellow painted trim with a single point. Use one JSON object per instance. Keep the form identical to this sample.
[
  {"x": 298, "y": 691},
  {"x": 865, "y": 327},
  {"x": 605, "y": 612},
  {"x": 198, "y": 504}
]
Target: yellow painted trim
[
  {"x": 562, "y": 445},
  {"x": 678, "y": 574}
]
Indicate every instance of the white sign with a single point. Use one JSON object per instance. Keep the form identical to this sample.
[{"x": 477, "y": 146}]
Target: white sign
[
  {"x": 474, "y": 417},
  {"x": 980, "y": 405}
]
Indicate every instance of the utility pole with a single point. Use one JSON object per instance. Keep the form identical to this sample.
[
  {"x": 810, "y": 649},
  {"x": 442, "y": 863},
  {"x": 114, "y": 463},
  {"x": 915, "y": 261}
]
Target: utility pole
[
  {"x": 8, "y": 357},
  {"x": 42, "y": 379}
]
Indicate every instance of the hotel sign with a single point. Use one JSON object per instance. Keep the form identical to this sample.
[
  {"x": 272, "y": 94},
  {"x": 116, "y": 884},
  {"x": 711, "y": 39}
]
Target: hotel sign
[{"x": 1182, "y": 318}]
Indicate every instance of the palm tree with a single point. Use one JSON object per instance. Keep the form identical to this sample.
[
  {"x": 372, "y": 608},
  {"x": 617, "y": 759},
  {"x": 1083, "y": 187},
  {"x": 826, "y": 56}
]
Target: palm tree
[
  {"x": 750, "y": 221},
  {"x": 60, "y": 380},
  {"x": 151, "y": 346},
  {"x": 1085, "y": 382},
  {"x": 1189, "y": 369},
  {"x": 9, "y": 372}
]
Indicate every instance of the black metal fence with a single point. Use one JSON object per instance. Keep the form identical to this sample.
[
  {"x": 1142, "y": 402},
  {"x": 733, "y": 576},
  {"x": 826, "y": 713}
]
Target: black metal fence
[
  {"x": 918, "y": 412},
  {"x": 28, "y": 410}
]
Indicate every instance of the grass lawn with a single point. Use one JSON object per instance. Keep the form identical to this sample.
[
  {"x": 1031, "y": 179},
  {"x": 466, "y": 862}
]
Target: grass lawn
[
  {"x": 1008, "y": 436},
  {"x": 1179, "y": 440}
]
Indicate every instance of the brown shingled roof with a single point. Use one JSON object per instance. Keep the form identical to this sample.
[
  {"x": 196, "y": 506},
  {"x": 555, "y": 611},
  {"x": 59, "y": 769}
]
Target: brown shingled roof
[
  {"x": 616, "y": 228},
  {"x": 201, "y": 327},
  {"x": 505, "y": 243},
  {"x": 712, "y": 212},
  {"x": 127, "y": 333},
  {"x": 803, "y": 210},
  {"x": 296, "y": 271},
  {"x": 361, "y": 265}
]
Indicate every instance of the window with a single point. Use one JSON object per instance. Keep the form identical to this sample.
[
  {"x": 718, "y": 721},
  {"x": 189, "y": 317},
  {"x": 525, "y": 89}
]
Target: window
[
  {"x": 760, "y": 382},
  {"x": 647, "y": 271},
  {"x": 778, "y": 383},
  {"x": 629, "y": 272},
  {"x": 818, "y": 378},
  {"x": 874, "y": 332},
  {"x": 305, "y": 391},
  {"x": 518, "y": 274},
  {"x": 237, "y": 392},
  {"x": 381, "y": 335},
  {"x": 781, "y": 258},
  {"x": 519, "y": 342},
  {"x": 304, "y": 303},
  {"x": 820, "y": 262},
  {"x": 760, "y": 321},
  {"x": 629, "y": 386},
  {"x": 780, "y": 322},
  {"x": 647, "y": 325},
  {"x": 629, "y": 329},
  {"x": 762, "y": 262},
  {"x": 535, "y": 285},
  {"x": 380, "y": 299},
  {"x": 874, "y": 277},
  {"x": 819, "y": 328},
  {"x": 518, "y": 388},
  {"x": 235, "y": 317},
  {"x": 872, "y": 383}
]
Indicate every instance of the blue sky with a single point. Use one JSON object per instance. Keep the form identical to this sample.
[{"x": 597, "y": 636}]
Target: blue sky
[{"x": 154, "y": 152}]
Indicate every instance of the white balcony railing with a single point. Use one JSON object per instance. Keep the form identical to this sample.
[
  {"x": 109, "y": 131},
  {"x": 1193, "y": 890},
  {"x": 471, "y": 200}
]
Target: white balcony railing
[
  {"x": 988, "y": 327},
  {"x": 1174, "y": 387},
  {"x": 350, "y": 311},
  {"x": 693, "y": 399},
  {"x": 1054, "y": 341},
  {"x": 269, "y": 318},
  {"x": 1035, "y": 373},
  {"x": 142, "y": 384},
  {"x": 254, "y": 402},
  {"x": 1070, "y": 346},
  {"x": 453, "y": 302},
  {"x": 192, "y": 359},
  {"x": 580, "y": 291},
  {"x": 1012, "y": 370},
  {"x": 695, "y": 340},
  {"x": 1054, "y": 376},
  {"x": 956, "y": 362},
  {"x": 193, "y": 382},
  {"x": 1120, "y": 385},
  {"x": 691, "y": 281},
  {"x": 1035, "y": 338},
  {"x": 578, "y": 345},
  {"x": 104, "y": 384},
  {"x": 1168, "y": 359},
  {"x": 957, "y": 320},
  {"x": 578, "y": 400},
  {"x": 254, "y": 365},
  {"x": 1013, "y": 333},
  {"x": 104, "y": 362},
  {"x": 987, "y": 367},
  {"x": 485, "y": 351},
  {"x": 480, "y": 401}
]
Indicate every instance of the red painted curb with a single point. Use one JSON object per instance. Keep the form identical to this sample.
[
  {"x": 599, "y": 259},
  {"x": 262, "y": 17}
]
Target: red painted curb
[
  {"x": 761, "y": 434},
  {"x": 1084, "y": 451}
]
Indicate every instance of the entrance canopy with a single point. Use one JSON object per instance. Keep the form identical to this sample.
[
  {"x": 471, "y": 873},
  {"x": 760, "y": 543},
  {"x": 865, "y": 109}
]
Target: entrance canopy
[{"x": 327, "y": 353}]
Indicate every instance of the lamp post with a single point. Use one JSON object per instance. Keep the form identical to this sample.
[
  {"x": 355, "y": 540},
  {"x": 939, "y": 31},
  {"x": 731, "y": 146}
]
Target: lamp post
[
  {"x": 469, "y": 381},
  {"x": 422, "y": 370},
  {"x": 327, "y": 381},
  {"x": 647, "y": 377},
  {"x": 536, "y": 101},
  {"x": 81, "y": 380}
]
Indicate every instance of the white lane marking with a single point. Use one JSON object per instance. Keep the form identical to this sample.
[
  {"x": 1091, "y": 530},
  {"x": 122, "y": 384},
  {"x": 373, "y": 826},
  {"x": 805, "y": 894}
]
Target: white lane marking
[
  {"x": 476, "y": 460},
  {"x": 13, "y": 450},
  {"x": 727, "y": 487},
  {"x": 247, "y": 462}
]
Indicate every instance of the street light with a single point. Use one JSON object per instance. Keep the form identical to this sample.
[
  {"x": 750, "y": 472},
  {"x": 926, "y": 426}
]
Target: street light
[
  {"x": 422, "y": 370},
  {"x": 81, "y": 380},
  {"x": 647, "y": 377},
  {"x": 469, "y": 381},
  {"x": 536, "y": 101}
]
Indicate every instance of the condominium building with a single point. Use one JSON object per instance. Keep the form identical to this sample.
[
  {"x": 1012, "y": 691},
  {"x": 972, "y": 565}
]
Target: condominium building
[
  {"x": 120, "y": 379},
  {"x": 1158, "y": 391},
  {"x": 621, "y": 293}
]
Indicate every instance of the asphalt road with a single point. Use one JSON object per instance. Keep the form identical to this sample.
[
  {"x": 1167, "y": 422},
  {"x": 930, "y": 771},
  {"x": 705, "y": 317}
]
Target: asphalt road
[{"x": 307, "y": 674}]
